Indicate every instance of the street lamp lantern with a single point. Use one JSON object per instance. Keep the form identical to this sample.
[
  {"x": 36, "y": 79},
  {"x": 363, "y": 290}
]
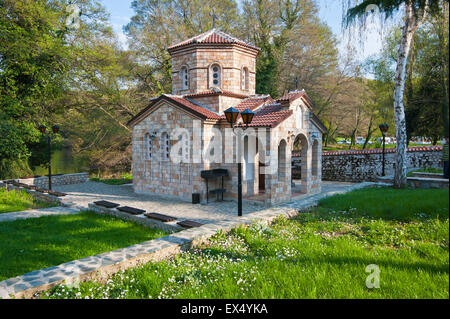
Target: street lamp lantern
[
  {"x": 247, "y": 116},
  {"x": 384, "y": 128},
  {"x": 231, "y": 114},
  {"x": 42, "y": 128},
  {"x": 55, "y": 129}
]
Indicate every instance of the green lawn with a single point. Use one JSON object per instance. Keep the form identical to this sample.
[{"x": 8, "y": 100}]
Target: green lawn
[
  {"x": 427, "y": 170},
  {"x": 14, "y": 201},
  {"x": 323, "y": 253},
  {"x": 343, "y": 147},
  {"x": 32, "y": 244},
  {"x": 124, "y": 179}
]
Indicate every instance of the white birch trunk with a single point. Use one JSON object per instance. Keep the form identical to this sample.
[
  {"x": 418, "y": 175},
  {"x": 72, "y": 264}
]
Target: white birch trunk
[{"x": 408, "y": 31}]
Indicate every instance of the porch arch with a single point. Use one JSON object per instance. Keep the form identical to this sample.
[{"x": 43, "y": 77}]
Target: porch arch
[{"x": 302, "y": 147}]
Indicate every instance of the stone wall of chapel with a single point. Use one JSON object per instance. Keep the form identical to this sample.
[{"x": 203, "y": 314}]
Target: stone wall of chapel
[
  {"x": 217, "y": 103},
  {"x": 232, "y": 60},
  {"x": 156, "y": 175}
]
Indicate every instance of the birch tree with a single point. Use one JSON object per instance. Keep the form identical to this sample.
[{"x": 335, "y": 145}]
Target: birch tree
[{"x": 414, "y": 14}]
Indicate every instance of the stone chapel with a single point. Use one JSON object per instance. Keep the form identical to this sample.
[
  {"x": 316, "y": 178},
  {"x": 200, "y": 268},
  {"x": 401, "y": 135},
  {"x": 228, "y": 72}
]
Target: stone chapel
[{"x": 212, "y": 72}]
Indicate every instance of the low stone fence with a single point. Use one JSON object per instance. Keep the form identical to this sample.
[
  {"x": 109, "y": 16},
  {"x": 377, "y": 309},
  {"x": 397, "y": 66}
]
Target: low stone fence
[
  {"x": 427, "y": 182},
  {"x": 57, "y": 180},
  {"x": 44, "y": 197},
  {"x": 151, "y": 223},
  {"x": 366, "y": 165}
]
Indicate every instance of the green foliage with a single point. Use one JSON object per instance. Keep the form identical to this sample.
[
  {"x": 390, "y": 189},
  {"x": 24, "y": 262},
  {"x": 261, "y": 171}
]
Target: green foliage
[
  {"x": 33, "y": 65},
  {"x": 125, "y": 178},
  {"x": 427, "y": 170},
  {"x": 158, "y": 24},
  {"x": 389, "y": 7},
  {"x": 38, "y": 65},
  {"x": 295, "y": 45},
  {"x": 15, "y": 201},
  {"x": 322, "y": 253},
  {"x": 37, "y": 243}
]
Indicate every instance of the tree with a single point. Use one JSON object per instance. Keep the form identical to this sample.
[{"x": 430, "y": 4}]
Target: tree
[
  {"x": 33, "y": 66},
  {"x": 295, "y": 45},
  {"x": 425, "y": 94},
  {"x": 158, "y": 24},
  {"x": 415, "y": 12}
]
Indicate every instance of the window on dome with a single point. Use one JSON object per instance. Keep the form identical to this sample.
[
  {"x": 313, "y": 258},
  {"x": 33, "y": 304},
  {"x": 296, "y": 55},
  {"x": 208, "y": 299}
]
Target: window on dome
[
  {"x": 216, "y": 76},
  {"x": 184, "y": 78}
]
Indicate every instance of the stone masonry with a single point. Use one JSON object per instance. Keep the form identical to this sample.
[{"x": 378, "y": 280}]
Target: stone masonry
[
  {"x": 220, "y": 73},
  {"x": 366, "y": 165}
]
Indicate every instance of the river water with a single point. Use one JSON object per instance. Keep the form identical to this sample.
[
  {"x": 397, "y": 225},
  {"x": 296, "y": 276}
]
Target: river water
[{"x": 64, "y": 162}]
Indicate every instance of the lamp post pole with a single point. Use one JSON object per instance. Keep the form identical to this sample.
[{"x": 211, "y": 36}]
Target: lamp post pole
[
  {"x": 384, "y": 128},
  {"x": 239, "y": 188},
  {"x": 231, "y": 115},
  {"x": 55, "y": 129},
  {"x": 384, "y": 146},
  {"x": 49, "y": 163}
]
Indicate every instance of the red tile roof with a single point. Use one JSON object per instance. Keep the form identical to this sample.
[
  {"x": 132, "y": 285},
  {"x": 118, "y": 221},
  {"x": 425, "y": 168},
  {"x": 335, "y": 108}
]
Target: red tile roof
[
  {"x": 216, "y": 92},
  {"x": 196, "y": 108},
  {"x": 185, "y": 104},
  {"x": 253, "y": 102},
  {"x": 270, "y": 116},
  {"x": 292, "y": 96},
  {"x": 270, "y": 119},
  {"x": 212, "y": 36}
]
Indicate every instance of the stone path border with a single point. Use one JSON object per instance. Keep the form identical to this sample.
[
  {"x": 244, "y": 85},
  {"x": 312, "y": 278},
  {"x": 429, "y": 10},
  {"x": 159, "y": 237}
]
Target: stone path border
[
  {"x": 63, "y": 201},
  {"x": 35, "y": 213},
  {"x": 170, "y": 227},
  {"x": 101, "y": 267}
]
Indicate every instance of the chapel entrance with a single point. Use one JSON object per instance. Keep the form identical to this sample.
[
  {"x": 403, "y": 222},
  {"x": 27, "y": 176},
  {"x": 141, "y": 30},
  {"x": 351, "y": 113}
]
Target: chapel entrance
[
  {"x": 262, "y": 178},
  {"x": 300, "y": 171}
]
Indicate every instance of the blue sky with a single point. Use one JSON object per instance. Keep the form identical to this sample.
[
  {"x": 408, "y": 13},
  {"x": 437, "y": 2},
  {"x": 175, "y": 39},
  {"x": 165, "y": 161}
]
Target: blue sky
[{"x": 330, "y": 12}]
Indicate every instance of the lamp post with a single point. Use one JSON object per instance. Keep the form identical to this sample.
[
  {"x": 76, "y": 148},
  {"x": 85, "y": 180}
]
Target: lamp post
[
  {"x": 383, "y": 128},
  {"x": 247, "y": 116},
  {"x": 55, "y": 129}
]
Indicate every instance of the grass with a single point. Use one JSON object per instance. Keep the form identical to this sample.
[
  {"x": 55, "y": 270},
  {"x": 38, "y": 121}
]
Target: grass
[
  {"x": 15, "y": 201},
  {"x": 427, "y": 170},
  {"x": 32, "y": 244},
  {"x": 322, "y": 253},
  {"x": 343, "y": 147},
  {"x": 123, "y": 179}
]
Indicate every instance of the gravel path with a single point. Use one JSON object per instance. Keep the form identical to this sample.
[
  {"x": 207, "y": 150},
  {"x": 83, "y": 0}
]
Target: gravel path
[
  {"x": 83, "y": 194},
  {"x": 35, "y": 213}
]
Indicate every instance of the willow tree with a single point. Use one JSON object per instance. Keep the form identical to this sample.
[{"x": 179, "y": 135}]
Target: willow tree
[{"x": 415, "y": 13}]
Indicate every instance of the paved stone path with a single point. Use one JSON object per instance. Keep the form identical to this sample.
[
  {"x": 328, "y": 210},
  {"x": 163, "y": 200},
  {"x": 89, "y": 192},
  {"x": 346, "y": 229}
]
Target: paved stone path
[
  {"x": 86, "y": 193},
  {"x": 35, "y": 213}
]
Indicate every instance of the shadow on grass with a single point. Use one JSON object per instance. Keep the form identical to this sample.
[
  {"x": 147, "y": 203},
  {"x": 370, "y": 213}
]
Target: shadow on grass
[{"x": 48, "y": 241}]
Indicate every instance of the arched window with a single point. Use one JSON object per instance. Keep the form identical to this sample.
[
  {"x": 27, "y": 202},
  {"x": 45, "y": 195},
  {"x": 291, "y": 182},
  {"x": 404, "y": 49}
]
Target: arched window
[
  {"x": 249, "y": 155},
  {"x": 215, "y": 76},
  {"x": 299, "y": 118},
  {"x": 282, "y": 165},
  {"x": 184, "y": 78},
  {"x": 315, "y": 158},
  {"x": 184, "y": 153},
  {"x": 148, "y": 146},
  {"x": 165, "y": 146},
  {"x": 244, "y": 79}
]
